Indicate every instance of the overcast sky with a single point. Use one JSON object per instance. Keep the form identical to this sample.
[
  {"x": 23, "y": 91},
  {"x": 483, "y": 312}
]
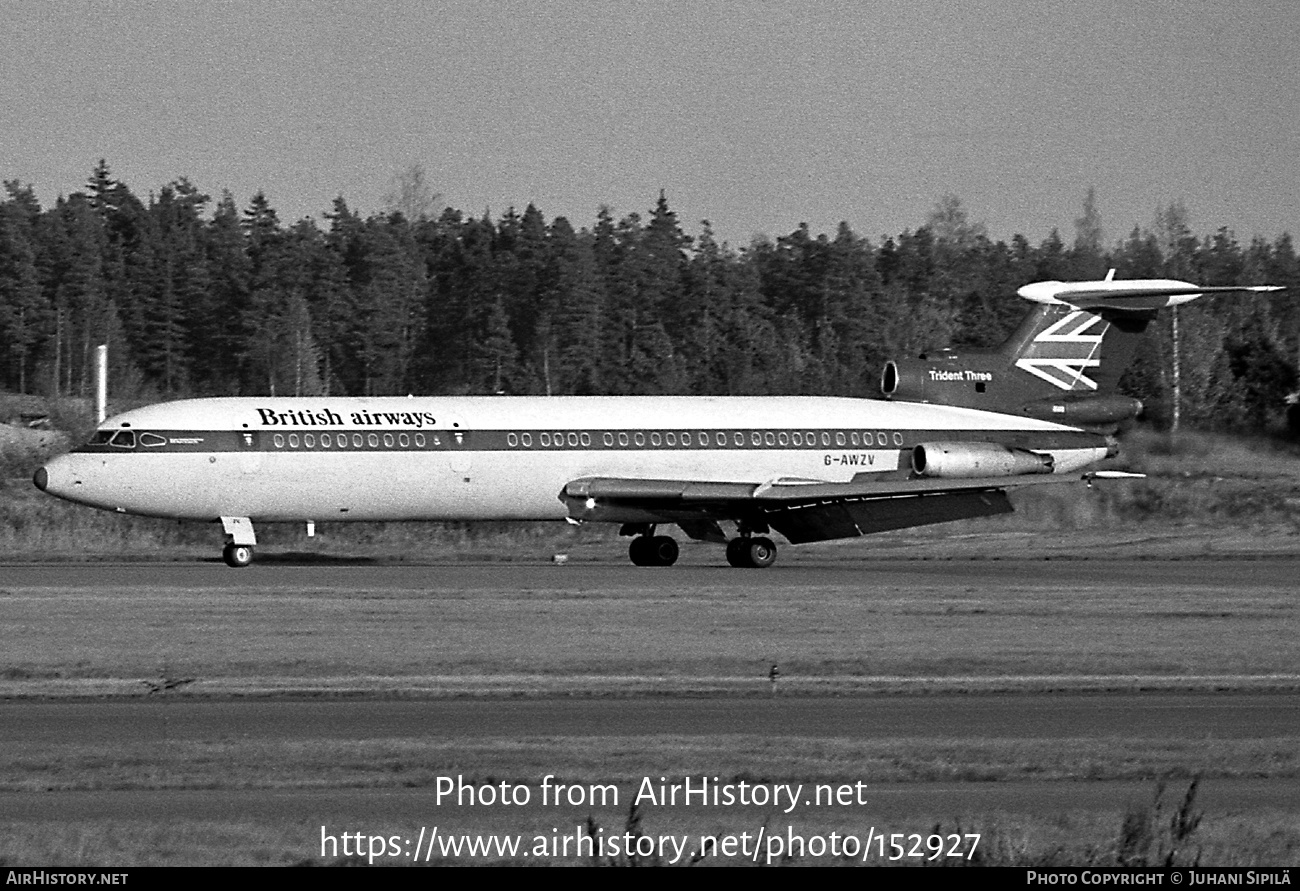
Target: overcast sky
[{"x": 757, "y": 116}]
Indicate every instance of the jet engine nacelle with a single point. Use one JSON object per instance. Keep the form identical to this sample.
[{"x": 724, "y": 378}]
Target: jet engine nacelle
[
  {"x": 972, "y": 459},
  {"x": 1090, "y": 410},
  {"x": 946, "y": 377},
  {"x": 904, "y": 379}
]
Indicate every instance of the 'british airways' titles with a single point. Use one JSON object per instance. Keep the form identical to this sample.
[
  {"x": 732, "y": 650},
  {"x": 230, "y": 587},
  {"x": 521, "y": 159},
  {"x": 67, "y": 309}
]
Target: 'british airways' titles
[{"x": 327, "y": 417}]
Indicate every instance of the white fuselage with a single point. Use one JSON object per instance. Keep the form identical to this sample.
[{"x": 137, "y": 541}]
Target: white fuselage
[{"x": 497, "y": 458}]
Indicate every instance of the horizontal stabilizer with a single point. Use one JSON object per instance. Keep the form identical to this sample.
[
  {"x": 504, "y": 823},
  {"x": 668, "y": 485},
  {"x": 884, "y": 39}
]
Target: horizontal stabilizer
[{"x": 1132, "y": 295}]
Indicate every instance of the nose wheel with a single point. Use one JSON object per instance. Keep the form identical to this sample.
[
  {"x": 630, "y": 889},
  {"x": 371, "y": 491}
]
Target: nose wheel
[
  {"x": 237, "y": 555},
  {"x": 653, "y": 550},
  {"x": 751, "y": 553},
  {"x": 240, "y": 539}
]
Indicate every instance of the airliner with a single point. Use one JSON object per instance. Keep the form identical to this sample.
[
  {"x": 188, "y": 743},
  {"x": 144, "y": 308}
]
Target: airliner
[{"x": 950, "y": 436}]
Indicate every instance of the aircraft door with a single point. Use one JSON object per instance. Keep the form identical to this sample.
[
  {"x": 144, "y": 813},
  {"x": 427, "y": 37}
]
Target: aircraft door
[
  {"x": 458, "y": 443},
  {"x": 250, "y": 452}
]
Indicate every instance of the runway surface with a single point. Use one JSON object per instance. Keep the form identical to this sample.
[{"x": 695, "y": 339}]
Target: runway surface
[{"x": 274, "y": 572}]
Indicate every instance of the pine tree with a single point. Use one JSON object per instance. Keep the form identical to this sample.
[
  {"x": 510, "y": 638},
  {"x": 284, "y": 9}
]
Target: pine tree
[
  {"x": 498, "y": 357},
  {"x": 24, "y": 310},
  {"x": 572, "y": 339},
  {"x": 1086, "y": 256},
  {"x": 218, "y": 319},
  {"x": 390, "y": 297}
]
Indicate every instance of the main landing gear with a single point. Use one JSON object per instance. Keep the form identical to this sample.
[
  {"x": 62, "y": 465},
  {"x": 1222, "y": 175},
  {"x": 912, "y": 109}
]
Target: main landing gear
[
  {"x": 745, "y": 551},
  {"x": 653, "y": 550},
  {"x": 751, "y": 553}
]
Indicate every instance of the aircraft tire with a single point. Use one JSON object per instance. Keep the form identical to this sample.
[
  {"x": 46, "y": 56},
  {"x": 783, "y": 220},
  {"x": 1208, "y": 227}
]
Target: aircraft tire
[
  {"x": 237, "y": 556},
  {"x": 738, "y": 553},
  {"x": 664, "y": 550},
  {"x": 639, "y": 551},
  {"x": 761, "y": 553}
]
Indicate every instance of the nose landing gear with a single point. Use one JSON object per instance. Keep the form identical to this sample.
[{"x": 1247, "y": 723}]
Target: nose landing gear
[
  {"x": 240, "y": 540},
  {"x": 237, "y": 556}
]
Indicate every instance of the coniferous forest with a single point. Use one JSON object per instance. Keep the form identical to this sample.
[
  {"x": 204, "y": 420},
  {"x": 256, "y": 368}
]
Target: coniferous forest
[{"x": 197, "y": 296}]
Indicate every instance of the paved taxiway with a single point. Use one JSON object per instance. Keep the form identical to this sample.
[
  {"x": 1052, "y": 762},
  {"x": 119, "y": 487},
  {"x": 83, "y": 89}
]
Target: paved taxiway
[{"x": 1154, "y": 716}]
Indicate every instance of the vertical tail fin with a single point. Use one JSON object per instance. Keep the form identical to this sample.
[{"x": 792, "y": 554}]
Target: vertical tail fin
[
  {"x": 1071, "y": 350},
  {"x": 1062, "y": 363}
]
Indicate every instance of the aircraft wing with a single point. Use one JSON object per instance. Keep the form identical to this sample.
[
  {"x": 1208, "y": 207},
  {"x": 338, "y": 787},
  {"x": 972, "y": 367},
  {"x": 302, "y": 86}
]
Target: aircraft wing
[{"x": 801, "y": 510}]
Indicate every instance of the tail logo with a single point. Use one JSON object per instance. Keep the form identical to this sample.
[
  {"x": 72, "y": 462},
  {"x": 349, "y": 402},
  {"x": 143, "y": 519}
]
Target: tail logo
[{"x": 1062, "y": 353}]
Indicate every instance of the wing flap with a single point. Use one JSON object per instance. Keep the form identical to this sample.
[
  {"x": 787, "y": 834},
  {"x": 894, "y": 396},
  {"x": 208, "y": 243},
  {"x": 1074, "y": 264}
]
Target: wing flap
[
  {"x": 801, "y": 510},
  {"x": 784, "y": 491},
  {"x": 846, "y": 519}
]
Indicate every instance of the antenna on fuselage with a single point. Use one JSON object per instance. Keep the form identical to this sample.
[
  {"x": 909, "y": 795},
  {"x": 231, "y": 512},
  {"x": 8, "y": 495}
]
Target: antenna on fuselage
[{"x": 101, "y": 383}]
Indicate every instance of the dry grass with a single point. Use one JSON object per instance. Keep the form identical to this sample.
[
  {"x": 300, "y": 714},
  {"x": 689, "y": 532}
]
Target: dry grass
[
  {"x": 401, "y": 763},
  {"x": 1067, "y": 839},
  {"x": 706, "y": 629}
]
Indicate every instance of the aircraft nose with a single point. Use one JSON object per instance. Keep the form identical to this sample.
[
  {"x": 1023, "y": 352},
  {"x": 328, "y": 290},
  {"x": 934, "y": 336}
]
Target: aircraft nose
[
  {"x": 55, "y": 477},
  {"x": 63, "y": 477}
]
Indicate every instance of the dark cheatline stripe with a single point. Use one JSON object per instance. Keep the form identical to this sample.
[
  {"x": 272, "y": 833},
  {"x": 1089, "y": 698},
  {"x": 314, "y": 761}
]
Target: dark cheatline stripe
[{"x": 833, "y": 440}]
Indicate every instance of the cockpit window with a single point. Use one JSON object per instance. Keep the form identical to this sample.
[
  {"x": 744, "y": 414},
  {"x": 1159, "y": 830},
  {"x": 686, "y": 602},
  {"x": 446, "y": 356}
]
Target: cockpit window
[
  {"x": 123, "y": 439},
  {"x": 101, "y": 437},
  {"x": 152, "y": 439}
]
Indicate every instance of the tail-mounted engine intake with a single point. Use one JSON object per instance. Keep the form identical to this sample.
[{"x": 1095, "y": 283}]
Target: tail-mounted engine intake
[
  {"x": 899, "y": 381},
  {"x": 972, "y": 459},
  {"x": 945, "y": 377}
]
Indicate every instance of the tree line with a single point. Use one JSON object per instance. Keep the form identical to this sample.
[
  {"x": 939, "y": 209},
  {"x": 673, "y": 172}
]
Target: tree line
[{"x": 197, "y": 297}]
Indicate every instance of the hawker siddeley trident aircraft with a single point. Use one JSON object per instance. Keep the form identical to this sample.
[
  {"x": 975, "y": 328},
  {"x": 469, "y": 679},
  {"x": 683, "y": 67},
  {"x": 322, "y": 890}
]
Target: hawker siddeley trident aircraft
[{"x": 952, "y": 435}]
